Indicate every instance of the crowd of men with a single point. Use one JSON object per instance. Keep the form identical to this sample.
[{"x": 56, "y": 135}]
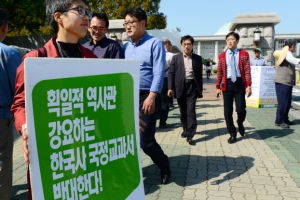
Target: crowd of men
[{"x": 163, "y": 75}]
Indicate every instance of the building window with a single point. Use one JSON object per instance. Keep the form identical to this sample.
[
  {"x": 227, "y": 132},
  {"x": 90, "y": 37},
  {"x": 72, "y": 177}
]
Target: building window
[{"x": 208, "y": 49}]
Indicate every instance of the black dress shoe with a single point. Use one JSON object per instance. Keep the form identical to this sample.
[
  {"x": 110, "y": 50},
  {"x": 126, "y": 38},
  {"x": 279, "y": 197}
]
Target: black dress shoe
[
  {"x": 165, "y": 177},
  {"x": 183, "y": 135},
  {"x": 189, "y": 139},
  {"x": 241, "y": 128},
  {"x": 232, "y": 139},
  {"x": 289, "y": 122}
]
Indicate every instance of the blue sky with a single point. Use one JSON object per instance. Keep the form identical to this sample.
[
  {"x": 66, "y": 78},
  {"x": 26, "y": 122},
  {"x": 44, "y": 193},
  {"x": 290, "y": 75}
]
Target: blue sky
[{"x": 205, "y": 17}]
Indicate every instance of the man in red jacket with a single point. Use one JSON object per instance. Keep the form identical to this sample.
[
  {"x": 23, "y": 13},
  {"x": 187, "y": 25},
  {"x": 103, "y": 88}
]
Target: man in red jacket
[
  {"x": 234, "y": 79},
  {"x": 70, "y": 21}
]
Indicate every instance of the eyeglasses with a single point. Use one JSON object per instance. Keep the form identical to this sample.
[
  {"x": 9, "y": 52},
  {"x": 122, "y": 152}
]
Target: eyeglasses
[
  {"x": 96, "y": 28},
  {"x": 186, "y": 44},
  {"x": 130, "y": 23},
  {"x": 230, "y": 40},
  {"x": 80, "y": 11}
]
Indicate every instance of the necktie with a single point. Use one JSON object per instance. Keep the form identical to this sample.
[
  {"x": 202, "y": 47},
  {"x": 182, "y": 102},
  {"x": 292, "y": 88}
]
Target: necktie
[{"x": 232, "y": 64}]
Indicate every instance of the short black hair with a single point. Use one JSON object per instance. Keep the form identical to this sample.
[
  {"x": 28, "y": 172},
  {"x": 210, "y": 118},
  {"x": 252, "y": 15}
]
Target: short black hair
[
  {"x": 137, "y": 12},
  {"x": 234, "y": 34},
  {"x": 290, "y": 42},
  {"x": 53, "y": 6},
  {"x": 167, "y": 41},
  {"x": 3, "y": 16},
  {"x": 187, "y": 37},
  {"x": 102, "y": 16}
]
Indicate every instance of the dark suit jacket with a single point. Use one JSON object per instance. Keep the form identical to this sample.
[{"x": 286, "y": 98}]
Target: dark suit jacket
[{"x": 177, "y": 74}]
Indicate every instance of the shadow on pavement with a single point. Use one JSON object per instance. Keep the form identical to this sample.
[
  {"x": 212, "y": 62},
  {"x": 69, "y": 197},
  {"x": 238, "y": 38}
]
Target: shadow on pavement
[
  {"x": 208, "y": 105},
  {"x": 210, "y": 134},
  {"x": 19, "y": 192},
  {"x": 272, "y": 133},
  {"x": 188, "y": 170},
  {"x": 172, "y": 126}
]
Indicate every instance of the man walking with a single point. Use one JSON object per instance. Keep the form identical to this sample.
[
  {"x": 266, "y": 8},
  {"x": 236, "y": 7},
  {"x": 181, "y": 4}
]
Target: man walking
[
  {"x": 234, "y": 76},
  {"x": 164, "y": 92},
  {"x": 9, "y": 61},
  {"x": 258, "y": 60},
  {"x": 151, "y": 54},
  {"x": 102, "y": 46},
  {"x": 185, "y": 81}
]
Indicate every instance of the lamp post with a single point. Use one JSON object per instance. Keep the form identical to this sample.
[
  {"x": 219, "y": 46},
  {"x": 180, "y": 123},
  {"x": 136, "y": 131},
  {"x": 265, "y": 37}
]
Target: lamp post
[{"x": 256, "y": 36}]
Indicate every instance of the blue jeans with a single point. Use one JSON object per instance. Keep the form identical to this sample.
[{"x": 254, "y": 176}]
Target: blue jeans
[{"x": 284, "y": 98}]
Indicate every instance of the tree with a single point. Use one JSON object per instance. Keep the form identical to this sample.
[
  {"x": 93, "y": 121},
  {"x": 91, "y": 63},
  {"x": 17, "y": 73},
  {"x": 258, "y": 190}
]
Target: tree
[
  {"x": 115, "y": 8},
  {"x": 28, "y": 17},
  {"x": 205, "y": 60}
]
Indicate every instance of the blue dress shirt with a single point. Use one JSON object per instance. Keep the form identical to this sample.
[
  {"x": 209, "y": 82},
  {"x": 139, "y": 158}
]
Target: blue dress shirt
[
  {"x": 10, "y": 60},
  {"x": 228, "y": 60},
  {"x": 151, "y": 53},
  {"x": 259, "y": 62}
]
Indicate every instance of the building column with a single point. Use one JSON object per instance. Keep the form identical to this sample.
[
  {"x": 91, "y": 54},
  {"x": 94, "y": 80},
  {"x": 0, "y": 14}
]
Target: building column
[
  {"x": 199, "y": 47},
  {"x": 216, "y": 51}
]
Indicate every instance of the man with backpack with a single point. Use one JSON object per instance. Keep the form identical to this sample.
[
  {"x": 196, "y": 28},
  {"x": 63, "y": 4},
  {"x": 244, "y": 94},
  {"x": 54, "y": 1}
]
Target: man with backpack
[{"x": 70, "y": 21}]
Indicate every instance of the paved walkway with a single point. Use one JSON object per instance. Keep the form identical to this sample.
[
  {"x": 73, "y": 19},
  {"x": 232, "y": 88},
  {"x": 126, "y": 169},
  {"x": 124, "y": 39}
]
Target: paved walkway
[{"x": 262, "y": 165}]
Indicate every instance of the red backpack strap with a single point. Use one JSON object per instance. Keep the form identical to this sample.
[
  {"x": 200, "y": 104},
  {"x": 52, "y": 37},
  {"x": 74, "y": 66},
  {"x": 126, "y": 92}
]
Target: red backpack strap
[{"x": 42, "y": 52}]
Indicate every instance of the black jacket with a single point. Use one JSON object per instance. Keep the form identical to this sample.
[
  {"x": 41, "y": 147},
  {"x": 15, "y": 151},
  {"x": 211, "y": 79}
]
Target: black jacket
[{"x": 176, "y": 76}]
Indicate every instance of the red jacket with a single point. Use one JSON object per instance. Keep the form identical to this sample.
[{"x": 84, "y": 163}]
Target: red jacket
[
  {"x": 18, "y": 107},
  {"x": 244, "y": 67}
]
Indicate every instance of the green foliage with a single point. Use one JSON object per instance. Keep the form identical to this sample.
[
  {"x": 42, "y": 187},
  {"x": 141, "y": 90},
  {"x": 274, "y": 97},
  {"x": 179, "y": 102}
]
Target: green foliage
[
  {"x": 115, "y": 8},
  {"x": 215, "y": 71},
  {"x": 27, "y": 17},
  {"x": 205, "y": 60},
  {"x": 298, "y": 56}
]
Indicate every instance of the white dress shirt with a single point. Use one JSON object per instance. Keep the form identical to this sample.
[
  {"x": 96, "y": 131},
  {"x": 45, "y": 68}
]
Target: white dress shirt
[{"x": 291, "y": 59}]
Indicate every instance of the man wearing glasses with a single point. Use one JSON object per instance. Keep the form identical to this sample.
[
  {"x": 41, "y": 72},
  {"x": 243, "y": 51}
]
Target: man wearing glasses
[
  {"x": 9, "y": 62},
  {"x": 234, "y": 80},
  {"x": 70, "y": 20},
  {"x": 152, "y": 56},
  {"x": 102, "y": 46},
  {"x": 185, "y": 82}
]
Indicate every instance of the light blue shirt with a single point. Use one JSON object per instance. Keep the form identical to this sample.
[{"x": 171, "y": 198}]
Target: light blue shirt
[
  {"x": 151, "y": 53},
  {"x": 10, "y": 60},
  {"x": 228, "y": 60},
  {"x": 259, "y": 62}
]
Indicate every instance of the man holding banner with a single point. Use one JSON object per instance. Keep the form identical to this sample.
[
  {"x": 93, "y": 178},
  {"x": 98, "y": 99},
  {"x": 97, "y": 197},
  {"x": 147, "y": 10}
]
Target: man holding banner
[
  {"x": 151, "y": 54},
  {"x": 70, "y": 20},
  {"x": 258, "y": 60}
]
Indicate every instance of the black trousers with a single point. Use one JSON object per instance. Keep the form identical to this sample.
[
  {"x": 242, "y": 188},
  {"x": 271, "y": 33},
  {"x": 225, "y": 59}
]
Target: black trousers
[
  {"x": 235, "y": 92},
  {"x": 147, "y": 140},
  {"x": 164, "y": 110},
  {"x": 284, "y": 99},
  {"x": 187, "y": 106}
]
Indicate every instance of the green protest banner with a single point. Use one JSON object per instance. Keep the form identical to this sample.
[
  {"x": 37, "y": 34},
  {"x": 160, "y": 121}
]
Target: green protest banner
[{"x": 83, "y": 128}]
